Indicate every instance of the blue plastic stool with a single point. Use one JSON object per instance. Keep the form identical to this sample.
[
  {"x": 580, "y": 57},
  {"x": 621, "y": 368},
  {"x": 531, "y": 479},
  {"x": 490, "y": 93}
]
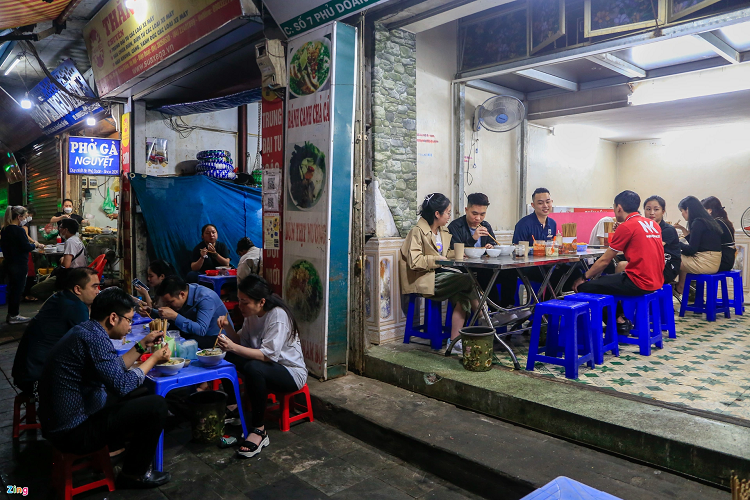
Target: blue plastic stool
[
  {"x": 194, "y": 374},
  {"x": 569, "y": 320},
  {"x": 667, "y": 310},
  {"x": 608, "y": 341},
  {"x": 711, "y": 306},
  {"x": 432, "y": 328},
  {"x": 3, "y": 295},
  {"x": 738, "y": 301},
  {"x": 644, "y": 311},
  {"x": 564, "y": 488}
]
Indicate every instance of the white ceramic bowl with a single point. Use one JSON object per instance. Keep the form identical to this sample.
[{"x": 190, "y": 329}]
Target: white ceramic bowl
[
  {"x": 171, "y": 369},
  {"x": 505, "y": 249},
  {"x": 474, "y": 253},
  {"x": 210, "y": 360},
  {"x": 493, "y": 252}
]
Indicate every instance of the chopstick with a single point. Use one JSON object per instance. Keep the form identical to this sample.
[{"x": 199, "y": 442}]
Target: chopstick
[{"x": 221, "y": 330}]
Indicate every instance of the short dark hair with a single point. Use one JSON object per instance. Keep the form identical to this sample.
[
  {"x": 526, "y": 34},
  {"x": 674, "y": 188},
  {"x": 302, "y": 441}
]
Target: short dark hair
[
  {"x": 172, "y": 285},
  {"x": 435, "y": 202},
  {"x": 70, "y": 224},
  {"x": 657, "y": 199},
  {"x": 76, "y": 276},
  {"x": 245, "y": 244},
  {"x": 162, "y": 268},
  {"x": 539, "y": 191},
  {"x": 479, "y": 199},
  {"x": 203, "y": 229},
  {"x": 629, "y": 201},
  {"x": 31, "y": 209},
  {"x": 111, "y": 300},
  {"x": 67, "y": 199}
]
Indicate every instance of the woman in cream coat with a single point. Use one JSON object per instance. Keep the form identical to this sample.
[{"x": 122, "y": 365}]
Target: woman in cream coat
[{"x": 426, "y": 243}]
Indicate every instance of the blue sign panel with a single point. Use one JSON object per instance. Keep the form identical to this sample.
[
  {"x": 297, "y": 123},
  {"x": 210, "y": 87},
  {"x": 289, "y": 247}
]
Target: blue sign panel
[
  {"x": 90, "y": 156},
  {"x": 54, "y": 110}
]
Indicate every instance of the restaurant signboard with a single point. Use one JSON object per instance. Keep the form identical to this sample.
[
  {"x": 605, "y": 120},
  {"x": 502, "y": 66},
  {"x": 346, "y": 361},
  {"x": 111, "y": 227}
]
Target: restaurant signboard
[
  {"x": 93, "y": 156},
  {"x": 317, "y": 175},
  {"x": 125, "y": 42},
  {"x": 301, "y": 16},
  {"x": 54, "y": 110},
  {"x": 272, "y": 133}
]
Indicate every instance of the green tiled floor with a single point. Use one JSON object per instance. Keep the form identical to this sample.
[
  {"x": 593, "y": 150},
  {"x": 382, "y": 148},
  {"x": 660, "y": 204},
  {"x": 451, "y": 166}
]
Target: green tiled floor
[{"x": 706, "y": 367}]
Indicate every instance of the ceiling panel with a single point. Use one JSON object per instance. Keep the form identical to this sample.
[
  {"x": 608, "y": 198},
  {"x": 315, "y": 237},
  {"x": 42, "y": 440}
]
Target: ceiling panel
[
  {"x": 520, "y": 83},
  {"x": 738, "y": 36},
  {"x": 579, "y": 71},
  {"x": 667, "y": 53}
]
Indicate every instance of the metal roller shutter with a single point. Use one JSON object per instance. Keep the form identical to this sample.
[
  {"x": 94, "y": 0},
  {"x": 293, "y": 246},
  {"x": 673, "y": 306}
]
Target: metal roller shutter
[{"x": 43, "y": 186}]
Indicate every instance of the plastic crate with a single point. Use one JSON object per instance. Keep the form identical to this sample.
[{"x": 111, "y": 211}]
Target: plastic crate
[
  {"x": 564, "y": 488},
  {"x": 3, "y": 295}
]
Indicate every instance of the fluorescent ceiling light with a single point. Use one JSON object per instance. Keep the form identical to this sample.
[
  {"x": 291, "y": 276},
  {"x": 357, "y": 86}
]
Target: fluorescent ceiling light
[
  {"x": 13, "y": 64},
  {"x": 90, "y": 121},
  {"x": 658, "y": 54},
  {"x": 691, "y": 85}
]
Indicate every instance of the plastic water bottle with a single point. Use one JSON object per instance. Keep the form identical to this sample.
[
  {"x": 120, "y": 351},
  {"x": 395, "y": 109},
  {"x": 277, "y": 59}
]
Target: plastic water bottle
[{"x": 189, "y": 349}]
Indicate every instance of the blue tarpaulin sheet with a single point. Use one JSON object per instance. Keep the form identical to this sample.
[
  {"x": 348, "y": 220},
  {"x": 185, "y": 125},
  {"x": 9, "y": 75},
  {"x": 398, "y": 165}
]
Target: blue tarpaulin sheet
[
  {"x": 211, "y": 105},
  {"x": 176, "y": 208}
]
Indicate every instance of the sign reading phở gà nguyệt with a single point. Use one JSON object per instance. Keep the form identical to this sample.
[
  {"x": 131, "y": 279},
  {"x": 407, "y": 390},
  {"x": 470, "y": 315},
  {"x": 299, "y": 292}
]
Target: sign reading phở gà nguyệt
[
  {"x": 54, "y": 110},
  {"x": 93, "y": 156},
  {"x": 298, "y": 16}
]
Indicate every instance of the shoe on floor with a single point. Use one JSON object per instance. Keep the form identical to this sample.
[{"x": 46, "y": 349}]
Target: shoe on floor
[
  {"x": 458, "y": 348},
  {"x": 253, "y": 449},
  {"x": 151, "y": 479},
  {"x": 17, "y": 320},
  {"x": 624, "y": 328}
]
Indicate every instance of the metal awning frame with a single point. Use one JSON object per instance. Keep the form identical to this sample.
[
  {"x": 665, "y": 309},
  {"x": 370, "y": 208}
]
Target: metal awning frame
[{"x": 600, "y": 53}]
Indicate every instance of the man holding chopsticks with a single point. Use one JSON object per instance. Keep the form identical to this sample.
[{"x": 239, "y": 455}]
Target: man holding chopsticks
[{"x": 195, "y": 309}]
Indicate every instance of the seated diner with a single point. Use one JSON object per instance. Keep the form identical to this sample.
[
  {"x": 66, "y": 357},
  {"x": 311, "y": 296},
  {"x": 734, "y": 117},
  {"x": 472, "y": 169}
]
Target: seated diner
[
  {"x": 702, "y": 252},
  {"x": 208, "y": 254},
  {"x": 728, "y": 251}
]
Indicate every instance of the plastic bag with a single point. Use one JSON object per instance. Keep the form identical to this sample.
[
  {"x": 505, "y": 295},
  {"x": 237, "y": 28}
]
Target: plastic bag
[{"x": 108, "y": 206}]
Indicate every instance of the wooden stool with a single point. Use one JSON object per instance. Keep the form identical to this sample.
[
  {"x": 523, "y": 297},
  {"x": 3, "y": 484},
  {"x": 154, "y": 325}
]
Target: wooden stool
[
  {"x": 29, "y": 416},
  {"x": 63, "y": 467},
  {"x": 281, "y": 401}
]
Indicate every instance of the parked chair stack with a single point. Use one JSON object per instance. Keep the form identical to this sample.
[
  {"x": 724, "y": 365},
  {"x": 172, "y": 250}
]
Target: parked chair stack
[{"x": 603, "y": 339}]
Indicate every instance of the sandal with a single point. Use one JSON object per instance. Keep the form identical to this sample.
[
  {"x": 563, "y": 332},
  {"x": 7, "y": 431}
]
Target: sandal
[
  {"x": 252, "y": 448},
  {"x": 30, "y": 299}
]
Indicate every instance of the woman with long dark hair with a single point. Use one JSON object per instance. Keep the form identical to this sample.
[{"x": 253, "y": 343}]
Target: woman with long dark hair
[
  {"x": 157, "y": 272},
  {"x": 728, "y": 251},
  {"x": 427, "y": 242},
  {"x": 15, "y": 245},
  {"x": 266, "y": 350},
  {"x": 655, "y": 208},
  {"x": 702, "y": 254}
]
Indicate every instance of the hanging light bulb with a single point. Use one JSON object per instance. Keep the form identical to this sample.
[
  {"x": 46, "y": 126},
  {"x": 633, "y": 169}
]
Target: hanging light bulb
[
  {"x": 90, "y": 121},
  {"x": 25, "y": 102}
]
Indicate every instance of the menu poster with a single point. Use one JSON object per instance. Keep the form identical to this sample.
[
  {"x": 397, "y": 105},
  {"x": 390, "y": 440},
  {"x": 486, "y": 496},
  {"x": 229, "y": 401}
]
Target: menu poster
[{"x": 312, "y": 167}]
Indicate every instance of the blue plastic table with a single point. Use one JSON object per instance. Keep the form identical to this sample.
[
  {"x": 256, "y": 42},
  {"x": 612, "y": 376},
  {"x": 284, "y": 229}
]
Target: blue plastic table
[
  {"x": 194, "y": 374},
  {"x": 564, "y": 488},
  {"x": 216, "y": 282}
]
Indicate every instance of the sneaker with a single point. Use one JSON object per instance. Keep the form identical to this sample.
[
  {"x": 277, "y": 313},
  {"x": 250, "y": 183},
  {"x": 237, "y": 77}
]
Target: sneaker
[
  {"x": 458, "y": 348},
  {"x": 17, "y": 320}
]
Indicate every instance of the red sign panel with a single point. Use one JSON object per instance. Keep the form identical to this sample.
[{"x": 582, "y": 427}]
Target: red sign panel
[{"x": 272, "y": 133}]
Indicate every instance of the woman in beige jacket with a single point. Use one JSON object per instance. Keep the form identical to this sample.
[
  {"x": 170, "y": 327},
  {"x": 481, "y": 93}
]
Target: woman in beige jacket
[{"x": 426, "y": 243}]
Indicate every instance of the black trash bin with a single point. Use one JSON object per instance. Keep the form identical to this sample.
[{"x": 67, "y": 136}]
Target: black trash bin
[{"x": 207, "y": 413}]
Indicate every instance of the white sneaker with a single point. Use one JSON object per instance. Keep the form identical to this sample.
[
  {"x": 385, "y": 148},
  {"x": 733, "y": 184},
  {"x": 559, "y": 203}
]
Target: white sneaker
[
  {"x": 17, "y": 320},
  {"x": 458, "y": 348}
]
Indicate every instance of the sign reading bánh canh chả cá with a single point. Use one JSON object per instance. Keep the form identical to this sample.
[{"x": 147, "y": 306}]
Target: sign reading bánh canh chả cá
[{"x": 124, "y": 42}]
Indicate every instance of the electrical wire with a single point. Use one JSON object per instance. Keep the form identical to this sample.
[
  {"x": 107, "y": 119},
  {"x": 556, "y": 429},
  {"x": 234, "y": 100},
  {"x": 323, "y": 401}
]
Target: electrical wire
[{"x": 178, "y": 124}]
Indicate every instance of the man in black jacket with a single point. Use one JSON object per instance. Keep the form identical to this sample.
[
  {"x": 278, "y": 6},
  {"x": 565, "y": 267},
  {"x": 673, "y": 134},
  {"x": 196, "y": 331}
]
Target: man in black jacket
[{"x": 473, "y": 231}]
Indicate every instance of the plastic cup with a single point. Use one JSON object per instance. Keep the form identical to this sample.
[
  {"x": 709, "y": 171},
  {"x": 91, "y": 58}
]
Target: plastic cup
[{"x": 458, "y": 249}]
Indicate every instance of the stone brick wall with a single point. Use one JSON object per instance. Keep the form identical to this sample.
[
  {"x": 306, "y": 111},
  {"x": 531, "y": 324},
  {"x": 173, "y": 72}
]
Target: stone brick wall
[{"x": 394, "y": 109}]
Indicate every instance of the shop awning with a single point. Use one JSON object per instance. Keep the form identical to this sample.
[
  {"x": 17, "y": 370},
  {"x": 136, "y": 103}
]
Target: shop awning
[
  {"x": 211, "y": 105},
  {"x": 15, "y": 13}
]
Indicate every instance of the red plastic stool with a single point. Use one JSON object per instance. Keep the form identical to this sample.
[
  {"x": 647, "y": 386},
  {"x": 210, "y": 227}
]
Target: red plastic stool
[
  {"x": 284, "y": 419},
  {"x": 63, "y": 467},
  {"x": 217, "y": 383},
  {"x": 29, "y": 416}
]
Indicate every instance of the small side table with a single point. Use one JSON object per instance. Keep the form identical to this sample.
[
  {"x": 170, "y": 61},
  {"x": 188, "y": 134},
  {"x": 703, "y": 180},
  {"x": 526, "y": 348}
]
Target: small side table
[
  {"x": 192, "y": 375},
  {"x": 216, "y": 282}
]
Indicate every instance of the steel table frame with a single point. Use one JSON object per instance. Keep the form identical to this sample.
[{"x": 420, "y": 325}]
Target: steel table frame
[{"x": 505, "y": 262}]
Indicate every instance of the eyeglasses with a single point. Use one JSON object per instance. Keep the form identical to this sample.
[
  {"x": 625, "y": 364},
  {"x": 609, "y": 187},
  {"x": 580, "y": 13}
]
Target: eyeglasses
[{"x": 130, "y": 320}]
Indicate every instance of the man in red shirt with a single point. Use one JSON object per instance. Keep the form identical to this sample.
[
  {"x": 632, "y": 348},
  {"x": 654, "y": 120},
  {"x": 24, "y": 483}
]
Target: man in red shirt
[{"x": 639, "y": 239}]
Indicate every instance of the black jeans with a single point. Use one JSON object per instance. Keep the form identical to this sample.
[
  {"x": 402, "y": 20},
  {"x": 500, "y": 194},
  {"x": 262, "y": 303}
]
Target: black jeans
[
  {"x": 262, "y": 377},
  {"x": 16, "y": 284},
  {"x": 139, "y": 420},
  {"x": 613, "y": 284}
]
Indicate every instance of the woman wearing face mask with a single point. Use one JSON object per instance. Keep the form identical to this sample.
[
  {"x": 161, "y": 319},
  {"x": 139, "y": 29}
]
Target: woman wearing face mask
[
  {"x": 266, "y": 350},
  {"x": 67, "y": 213},
  {"x": 16, "y": 247},
  {"x": 208, "y": 254},
  {"x": 31, "y": 276},
  {"x": 426, "y": 243},
  {"x": 655, "y": 208}
]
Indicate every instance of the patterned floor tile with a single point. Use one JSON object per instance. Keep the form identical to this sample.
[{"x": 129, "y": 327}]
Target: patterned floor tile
[{"x": 706, "y": 367}]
